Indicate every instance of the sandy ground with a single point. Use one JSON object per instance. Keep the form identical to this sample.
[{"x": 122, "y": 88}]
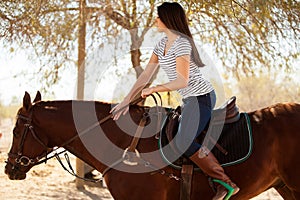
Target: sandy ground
[{"x": 50, "y": 181}]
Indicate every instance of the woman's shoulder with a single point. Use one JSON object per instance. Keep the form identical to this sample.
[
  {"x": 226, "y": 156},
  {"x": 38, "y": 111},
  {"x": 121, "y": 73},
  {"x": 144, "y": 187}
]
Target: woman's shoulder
[
  {"x": 182, "y": 39},
  {"x": 182, "y": 43}
]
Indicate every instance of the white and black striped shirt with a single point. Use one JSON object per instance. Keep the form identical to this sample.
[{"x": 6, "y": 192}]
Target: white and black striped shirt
[{"x": 197, "y": 85}]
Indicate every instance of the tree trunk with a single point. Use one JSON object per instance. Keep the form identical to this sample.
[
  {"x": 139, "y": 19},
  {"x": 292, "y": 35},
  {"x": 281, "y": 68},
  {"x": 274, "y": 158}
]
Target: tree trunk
[{"x": 80, "y": 77}]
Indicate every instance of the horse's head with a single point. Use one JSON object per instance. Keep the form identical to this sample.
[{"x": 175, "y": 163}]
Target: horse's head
[{"x": 27, "y": 148}]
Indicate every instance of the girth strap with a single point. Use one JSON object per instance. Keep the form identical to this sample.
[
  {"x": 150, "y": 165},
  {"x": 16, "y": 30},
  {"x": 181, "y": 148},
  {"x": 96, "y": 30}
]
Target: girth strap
[{"x": 186, "y": 183}]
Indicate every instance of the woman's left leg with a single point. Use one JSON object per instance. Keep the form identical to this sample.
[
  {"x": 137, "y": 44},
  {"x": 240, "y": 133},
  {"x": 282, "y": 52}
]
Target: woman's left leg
[
  {"x": 193, "y": 123},
  {"x": 195, "y": 115}
]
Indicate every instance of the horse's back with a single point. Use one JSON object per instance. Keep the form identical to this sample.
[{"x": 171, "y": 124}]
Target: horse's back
[
  {"x": 281, "y": 113},
  {"x": 280, "y": 122}
]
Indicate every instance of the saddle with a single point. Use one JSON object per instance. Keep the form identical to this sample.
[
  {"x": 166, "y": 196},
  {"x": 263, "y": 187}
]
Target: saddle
[
  {"x": 227, "y": 113},
  {"x": 228, "y": 135},
  {"x": 232, "y": 146}
]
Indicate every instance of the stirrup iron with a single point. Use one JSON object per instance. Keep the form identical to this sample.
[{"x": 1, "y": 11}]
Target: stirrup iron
[{"x": 227, "y": 186}]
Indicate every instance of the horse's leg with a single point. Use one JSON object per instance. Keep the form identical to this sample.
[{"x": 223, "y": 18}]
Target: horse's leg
[
  {"x": 137, "y": 186},
  {"x": 296, "y": 195},
  {"x": 295, "y": 190},
  {"x": 286, "y": 156},
  {"x": 285, "y": 192},
  {"x": 290, "y": 173}
]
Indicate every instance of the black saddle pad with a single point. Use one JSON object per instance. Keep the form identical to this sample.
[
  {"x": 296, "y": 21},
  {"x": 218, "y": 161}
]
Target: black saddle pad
[{"x": 235, "y": 142}]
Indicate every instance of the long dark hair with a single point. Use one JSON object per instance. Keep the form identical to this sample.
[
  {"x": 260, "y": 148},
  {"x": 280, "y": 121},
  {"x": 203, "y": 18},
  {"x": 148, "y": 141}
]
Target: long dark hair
[{"x": 173, "y": 16}]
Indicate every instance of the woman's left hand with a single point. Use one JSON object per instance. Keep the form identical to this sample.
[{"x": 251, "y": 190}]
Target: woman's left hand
[{"x": 147, "y": 91}]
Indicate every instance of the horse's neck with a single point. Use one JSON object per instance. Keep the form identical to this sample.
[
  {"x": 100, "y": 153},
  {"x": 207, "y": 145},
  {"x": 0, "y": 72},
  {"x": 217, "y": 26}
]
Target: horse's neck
[
  {"x": 72, "y": 124},
  {"x": 64, "y": 121}
]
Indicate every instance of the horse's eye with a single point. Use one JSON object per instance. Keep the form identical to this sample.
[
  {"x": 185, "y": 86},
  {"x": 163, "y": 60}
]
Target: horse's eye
[{"x": 15, "y": 132}]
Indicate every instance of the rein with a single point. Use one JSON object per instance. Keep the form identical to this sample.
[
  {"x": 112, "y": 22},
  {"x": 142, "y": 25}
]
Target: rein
[
  {"x": 131, "y": 155},
  {"x": 100, "y": 122},
  {"x": 126, "y": 158}
]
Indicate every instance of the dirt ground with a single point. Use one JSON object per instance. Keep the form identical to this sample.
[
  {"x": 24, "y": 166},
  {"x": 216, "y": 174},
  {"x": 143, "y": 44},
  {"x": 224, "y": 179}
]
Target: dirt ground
[{"x": 50, "y": 181}]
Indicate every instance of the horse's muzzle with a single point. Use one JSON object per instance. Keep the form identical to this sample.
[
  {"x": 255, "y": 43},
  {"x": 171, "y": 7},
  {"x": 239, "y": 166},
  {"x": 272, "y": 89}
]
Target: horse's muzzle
[{"x": 13, "y": 172}]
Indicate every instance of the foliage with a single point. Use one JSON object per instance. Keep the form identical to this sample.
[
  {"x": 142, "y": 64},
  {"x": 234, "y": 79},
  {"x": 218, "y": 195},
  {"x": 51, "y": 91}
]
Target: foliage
[
  {"x": 248, "y": 36},
  {"x": 46, "y": 28},
  {"x": 49, "y": 29},
  {"x": 8, "y": 111},
  {"x": 264, "y": 90}
]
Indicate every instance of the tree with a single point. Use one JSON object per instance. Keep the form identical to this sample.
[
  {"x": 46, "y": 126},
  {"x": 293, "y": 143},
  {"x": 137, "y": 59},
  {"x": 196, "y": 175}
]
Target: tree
[
  {"x": 50, "y": 28},
  {"x": 43, "y": 27},
  {"x": 249, "y": 36}
]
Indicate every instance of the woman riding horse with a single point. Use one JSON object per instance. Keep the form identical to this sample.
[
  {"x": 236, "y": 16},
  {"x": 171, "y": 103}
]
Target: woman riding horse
[{"x": 178, "y": 56}]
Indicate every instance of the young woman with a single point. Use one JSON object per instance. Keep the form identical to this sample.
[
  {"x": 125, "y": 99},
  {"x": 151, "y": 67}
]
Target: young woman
[{"x": 177, "y": 55}]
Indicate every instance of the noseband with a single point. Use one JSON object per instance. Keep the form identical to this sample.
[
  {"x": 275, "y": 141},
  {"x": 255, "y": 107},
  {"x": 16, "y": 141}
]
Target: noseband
[{"x": 20, "y": 159}]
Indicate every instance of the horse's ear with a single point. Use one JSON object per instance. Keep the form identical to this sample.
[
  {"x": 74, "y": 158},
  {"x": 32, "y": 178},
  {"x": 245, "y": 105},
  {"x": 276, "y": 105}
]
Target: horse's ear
[
  {"x": 27, "y": 101},
  {"x": 38, "y": 97}
]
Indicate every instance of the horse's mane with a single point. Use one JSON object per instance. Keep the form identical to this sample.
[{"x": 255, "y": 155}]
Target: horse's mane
[
  {"x": 58, "y": 102},
  {"x": 276, "y": 110},
  {"x": 66, "y": 104}
]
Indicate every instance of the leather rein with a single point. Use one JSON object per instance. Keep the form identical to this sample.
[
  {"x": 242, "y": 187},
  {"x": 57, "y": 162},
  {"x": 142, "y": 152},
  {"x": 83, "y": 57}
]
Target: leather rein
[{"x": 24, "y": 161}]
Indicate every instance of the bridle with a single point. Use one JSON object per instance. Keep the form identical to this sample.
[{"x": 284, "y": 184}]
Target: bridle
[
  {"x": 24, "y": 161},
  {"x": 20, "y": 159}
]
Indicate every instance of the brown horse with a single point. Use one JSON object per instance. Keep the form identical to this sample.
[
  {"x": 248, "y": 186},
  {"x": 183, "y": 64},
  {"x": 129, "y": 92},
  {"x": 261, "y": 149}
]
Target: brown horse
[{"x": 40, "y": 126}]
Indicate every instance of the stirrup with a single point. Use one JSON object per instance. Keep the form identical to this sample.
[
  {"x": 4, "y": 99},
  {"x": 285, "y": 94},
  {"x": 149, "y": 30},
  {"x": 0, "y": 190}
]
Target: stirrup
[{"x": 227, "y": 186}]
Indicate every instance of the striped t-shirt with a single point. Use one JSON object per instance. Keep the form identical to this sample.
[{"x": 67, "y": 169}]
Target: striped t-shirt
[{"x": 197, "y": 85}]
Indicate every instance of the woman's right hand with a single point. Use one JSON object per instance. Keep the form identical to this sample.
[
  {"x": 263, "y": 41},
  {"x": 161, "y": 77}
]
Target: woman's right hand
[{"x": 116, "y": 112}]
